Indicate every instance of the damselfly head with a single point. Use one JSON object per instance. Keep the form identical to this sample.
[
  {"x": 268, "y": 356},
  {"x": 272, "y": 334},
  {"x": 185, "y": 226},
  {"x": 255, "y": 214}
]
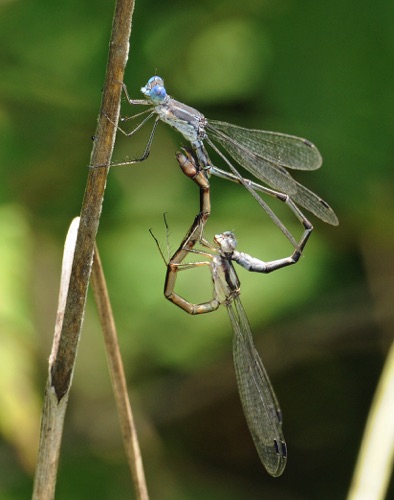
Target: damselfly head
[
  {"x": 155, "y": 90},
  {"x": 226, "y": 241}
]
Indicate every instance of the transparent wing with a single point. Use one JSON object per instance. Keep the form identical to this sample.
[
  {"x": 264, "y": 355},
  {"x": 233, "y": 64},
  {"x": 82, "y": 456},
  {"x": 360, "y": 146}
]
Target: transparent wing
[
  {"x": 284, "y": 150},
  {"x": 260, "y": 405},
  {"x": 314, "y": 204},
  {"x": 261, "y": 167},
  {"x": 294, "y": 153}
]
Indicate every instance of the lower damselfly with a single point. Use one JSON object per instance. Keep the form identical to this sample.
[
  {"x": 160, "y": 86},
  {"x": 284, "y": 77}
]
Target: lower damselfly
[{"x": 259, "y": 402}]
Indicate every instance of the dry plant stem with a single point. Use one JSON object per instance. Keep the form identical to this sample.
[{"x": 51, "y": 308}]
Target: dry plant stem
[
  {"x": 91, "y": 208},
  {"x": 67, "y": 335},
  {"x": 374, "y": 466},
  {"x": 53, "y": 410},
  {"x": 118, "y": 378}
]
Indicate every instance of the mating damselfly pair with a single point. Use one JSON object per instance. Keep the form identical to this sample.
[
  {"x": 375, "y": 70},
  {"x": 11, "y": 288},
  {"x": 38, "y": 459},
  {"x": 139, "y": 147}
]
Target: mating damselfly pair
[{"x": 267, "y": 156}]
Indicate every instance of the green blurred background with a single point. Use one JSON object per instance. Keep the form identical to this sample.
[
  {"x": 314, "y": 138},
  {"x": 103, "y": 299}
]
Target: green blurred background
[{"x": 322, "y": 70}]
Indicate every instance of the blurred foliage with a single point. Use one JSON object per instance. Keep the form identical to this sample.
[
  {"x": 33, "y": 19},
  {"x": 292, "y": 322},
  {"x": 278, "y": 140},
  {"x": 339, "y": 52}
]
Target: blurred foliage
[{"x": 314, "y": 69}]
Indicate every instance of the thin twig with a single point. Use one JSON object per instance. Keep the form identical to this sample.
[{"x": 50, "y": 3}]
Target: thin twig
[
  {"x": 118, "y": 378},
  {"x": 63, "y": 356}
]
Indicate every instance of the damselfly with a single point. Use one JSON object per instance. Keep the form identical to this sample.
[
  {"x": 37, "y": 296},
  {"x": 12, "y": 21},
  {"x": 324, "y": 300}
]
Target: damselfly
[{"x": 266, "y": 155}]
